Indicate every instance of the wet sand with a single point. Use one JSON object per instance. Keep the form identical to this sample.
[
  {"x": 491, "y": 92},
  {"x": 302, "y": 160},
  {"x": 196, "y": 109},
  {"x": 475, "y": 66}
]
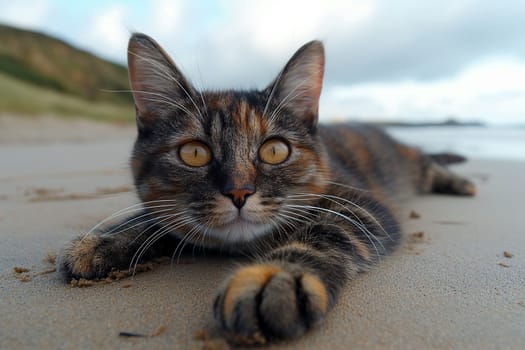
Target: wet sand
[{"x": 449, "y": 285}]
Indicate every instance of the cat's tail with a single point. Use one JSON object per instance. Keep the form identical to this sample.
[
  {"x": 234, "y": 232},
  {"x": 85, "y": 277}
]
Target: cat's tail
[{"x": 447, "y": 158}]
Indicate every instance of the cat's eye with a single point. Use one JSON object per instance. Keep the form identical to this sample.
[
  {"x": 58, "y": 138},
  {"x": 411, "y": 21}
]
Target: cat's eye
[
  {"x": 195, "y": 154},
  {"x": 274, "y": 151}
]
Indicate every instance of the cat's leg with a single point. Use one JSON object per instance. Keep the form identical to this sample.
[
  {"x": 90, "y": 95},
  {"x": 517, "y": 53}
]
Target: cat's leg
[
  {"x": 439, "y": 179},
  {"x": 294, "y": 285},
  {"x": 94, "y": 255}
]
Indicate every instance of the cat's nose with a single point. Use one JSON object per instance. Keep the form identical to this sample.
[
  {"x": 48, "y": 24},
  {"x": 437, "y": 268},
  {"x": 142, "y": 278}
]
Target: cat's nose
[{"x": 239, "y": 195}]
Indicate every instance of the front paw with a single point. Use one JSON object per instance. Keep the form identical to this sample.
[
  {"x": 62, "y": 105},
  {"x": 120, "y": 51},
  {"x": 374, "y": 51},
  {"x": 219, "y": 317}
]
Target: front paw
[
  {"x": 265, "y": 302},
  {"x": 83, "y": 258}
]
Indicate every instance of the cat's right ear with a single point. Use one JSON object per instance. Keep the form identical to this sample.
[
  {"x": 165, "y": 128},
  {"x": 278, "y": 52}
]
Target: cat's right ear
[{"x": 157, "y": 85}]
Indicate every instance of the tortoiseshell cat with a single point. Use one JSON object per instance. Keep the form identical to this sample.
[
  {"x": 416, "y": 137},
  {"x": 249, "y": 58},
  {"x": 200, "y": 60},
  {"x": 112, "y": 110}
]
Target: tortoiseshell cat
[{"x": 252, "y": 172}]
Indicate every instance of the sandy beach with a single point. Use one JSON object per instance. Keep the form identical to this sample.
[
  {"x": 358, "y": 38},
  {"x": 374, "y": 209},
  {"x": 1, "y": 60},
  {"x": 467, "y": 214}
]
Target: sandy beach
[{"x": 457, "y": 281}]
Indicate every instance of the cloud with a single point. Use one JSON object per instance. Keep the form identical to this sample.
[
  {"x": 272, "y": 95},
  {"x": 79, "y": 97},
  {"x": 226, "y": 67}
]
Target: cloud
[
  {"x": 107, "y": 33},
  {"x": 263, "y": 35},
  {"x": 27, "y": 14},
  {"x": 109, "y": 25},
  {"x": 408, "y": 58},
  {"x": 421, "y": 60},
  {"x": 491, "y": 90},
  {"x": 273, "y": 27},
  {"x": 366, "y": 41},
  {"x": 428, "y": 40},
  {"x": 167, "y": 16}
]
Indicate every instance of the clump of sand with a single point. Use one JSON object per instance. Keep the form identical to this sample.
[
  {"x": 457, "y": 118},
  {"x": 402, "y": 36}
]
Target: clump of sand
[{"x": 117, "y": 275}]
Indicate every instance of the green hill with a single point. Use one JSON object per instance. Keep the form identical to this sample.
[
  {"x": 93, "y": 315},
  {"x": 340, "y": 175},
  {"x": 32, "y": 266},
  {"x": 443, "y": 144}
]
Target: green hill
[{"x": 40, "y": 74}]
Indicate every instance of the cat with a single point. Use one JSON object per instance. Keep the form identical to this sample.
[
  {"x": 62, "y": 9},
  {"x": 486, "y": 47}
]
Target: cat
[{"x": 252, "y": 172}]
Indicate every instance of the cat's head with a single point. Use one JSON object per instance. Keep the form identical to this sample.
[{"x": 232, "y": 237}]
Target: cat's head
[{"x": 222, "y": 167}]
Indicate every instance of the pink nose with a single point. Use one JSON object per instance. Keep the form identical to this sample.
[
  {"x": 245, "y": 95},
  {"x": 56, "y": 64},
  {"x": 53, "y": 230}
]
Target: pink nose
[{"x": 239, "y": 195}]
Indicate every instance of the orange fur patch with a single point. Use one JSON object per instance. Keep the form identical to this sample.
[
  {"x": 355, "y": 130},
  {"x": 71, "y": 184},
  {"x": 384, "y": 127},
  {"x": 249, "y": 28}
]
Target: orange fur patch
[
  {"x": 151, "y": 189},
  {"x": 470, "y": 190},
  {"x": 245, "y": 173},
  {"x": 355, "y": 142},
  {"x": 360, "y": 247},
  {"x": 409, "y": 153},
  {"x": 316, "y": 290},
  {"x": 263, "y": 125},
  {"x": 241, "y": 115},
  {"x": 82, "y": 253},
  {"x": 246, "y": 279}
]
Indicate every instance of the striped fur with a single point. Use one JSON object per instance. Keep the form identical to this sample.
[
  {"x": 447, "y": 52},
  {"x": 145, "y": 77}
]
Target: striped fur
[{"x": 311, "y": 223}]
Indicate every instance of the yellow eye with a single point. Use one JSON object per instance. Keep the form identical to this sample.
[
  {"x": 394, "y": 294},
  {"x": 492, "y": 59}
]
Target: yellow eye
[
  {"x": 195, "y": 153},
  {"x": 274, "y": 151}
]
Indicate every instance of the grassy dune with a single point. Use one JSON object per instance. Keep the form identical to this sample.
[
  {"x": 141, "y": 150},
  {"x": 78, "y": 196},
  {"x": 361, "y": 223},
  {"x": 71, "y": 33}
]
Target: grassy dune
[
  {"x": 20, "y": 97},
  {"x": 40, "y": 74}
]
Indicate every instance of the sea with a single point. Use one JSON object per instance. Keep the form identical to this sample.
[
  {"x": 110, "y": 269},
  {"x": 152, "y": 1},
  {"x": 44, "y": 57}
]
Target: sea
[{"x": 474, "y": 142}]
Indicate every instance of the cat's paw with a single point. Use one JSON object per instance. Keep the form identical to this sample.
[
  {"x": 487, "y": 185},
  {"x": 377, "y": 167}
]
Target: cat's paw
[
  {"x": 463, "y": 187},
  {"x": 265, "y": 302},
  {"x": 83, "y": 258}
]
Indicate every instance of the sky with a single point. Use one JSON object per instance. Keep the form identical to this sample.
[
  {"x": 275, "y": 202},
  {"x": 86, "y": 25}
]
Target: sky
[{"x": 407, "y": 60}]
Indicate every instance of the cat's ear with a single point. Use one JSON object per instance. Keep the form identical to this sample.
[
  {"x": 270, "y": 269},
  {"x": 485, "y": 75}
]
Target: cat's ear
[
  {"x": 157, "y": 85},
  {"x": 298, "y": 86}
]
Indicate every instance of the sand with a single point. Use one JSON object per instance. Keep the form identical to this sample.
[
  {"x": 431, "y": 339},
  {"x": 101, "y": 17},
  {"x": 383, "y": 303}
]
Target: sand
[
  {"x": 456, "y": 288},
  {"x": 21, "y": 130}
]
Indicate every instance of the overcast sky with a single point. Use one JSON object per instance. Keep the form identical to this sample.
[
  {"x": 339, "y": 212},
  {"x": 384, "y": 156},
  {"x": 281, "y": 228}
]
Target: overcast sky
[{"x": 421, "y": 60}]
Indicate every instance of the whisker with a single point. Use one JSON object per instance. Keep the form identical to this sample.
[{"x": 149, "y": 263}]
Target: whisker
[
  {"x": 283, "y": 104},
  {"x": 162, "y": 99},
  {"x": 171, "y": 103},
  {"x": 199, "y": 89},
  {"x": 272, "y": 92},
  {"x": 334, "y": 199},
  {"x": 348, "y": 186},
  {"x": 298, "y": 217},
  {"x": 288, "y": 98},
  {"x": 116, "y": 230},
  {"x": 363, "y": 229},
  {"x": 124, "y": 211},
  {"x": 157, "y": 220},
  {"x": 186, "y": 239},
  {"x": 197, "y": 243},
  {"x": 360, "y": 225},
  {"x": 161, "y": 232},
  {"x": 165, "y": 218},
  {"x": 169, "y": 75}
]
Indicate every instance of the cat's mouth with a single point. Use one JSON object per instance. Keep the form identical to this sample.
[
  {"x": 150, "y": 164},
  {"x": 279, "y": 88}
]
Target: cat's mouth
[{"x": 239, "y": 229}]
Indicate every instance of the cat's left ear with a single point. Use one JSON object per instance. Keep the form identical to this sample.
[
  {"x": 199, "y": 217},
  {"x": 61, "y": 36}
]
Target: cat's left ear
[{"x": 298, "y": 86}]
